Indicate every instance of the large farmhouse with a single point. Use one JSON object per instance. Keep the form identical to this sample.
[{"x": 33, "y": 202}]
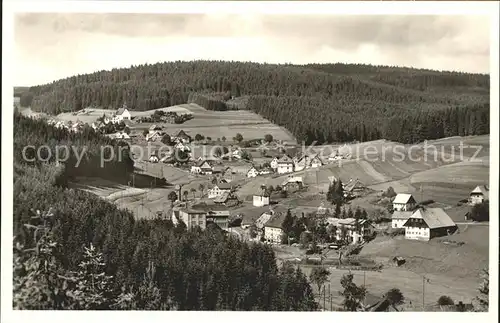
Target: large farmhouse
[
  {"x": 427, "y": 223},
  {"x": 285, "y": 165}
]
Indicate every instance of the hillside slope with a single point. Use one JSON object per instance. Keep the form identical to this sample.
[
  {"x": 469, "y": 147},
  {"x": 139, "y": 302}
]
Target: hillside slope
[{"x": 324, "y": 103}]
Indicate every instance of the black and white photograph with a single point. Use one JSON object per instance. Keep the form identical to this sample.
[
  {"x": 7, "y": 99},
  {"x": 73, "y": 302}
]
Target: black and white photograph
[{"x": 249, "y": 157}]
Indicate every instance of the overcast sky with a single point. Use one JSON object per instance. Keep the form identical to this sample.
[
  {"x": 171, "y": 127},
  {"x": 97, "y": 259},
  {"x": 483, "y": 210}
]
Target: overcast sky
[{"x": 53, "y": 46}]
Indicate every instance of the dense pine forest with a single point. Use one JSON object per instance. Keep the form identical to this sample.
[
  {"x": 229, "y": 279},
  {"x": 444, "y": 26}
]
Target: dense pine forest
[
  {"x": 316, "y": 102},
  {"x": 86, "y": 254}
]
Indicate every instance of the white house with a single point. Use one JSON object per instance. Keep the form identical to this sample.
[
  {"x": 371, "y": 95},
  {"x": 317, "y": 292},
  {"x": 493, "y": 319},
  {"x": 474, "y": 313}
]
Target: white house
[
  {"x": 399, "y": 218},
  {"x": 315, "y": 162},
  {"x": 219, "y": 189},
  {"x": 122, "y": 114},
  {"x": 260, "y": 200},
  {"x": 253, "y": 172},
  {"x": 202, "y": 167},
  {"x": 479, "y": 195},
  {"x": 273, "y": 232},
  {"x": 274, "y": 163},
  {"x": 404, "y": 202},
  {"x": 285, "y": 165},
  {"x": 427, "y": 223}
]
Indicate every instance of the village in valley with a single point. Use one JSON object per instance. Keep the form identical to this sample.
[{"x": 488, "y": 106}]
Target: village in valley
[
  {"x": 329, "y": 205},
  {"x": 283, "y": 160}
]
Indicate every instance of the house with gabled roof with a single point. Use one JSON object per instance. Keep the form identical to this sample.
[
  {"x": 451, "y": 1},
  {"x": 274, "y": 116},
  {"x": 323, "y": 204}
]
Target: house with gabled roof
[
  {"x": 253, "y": 172},
  {"x": 285, "y": 165},
  {"x": 273, "y": 229},
  {"x": 183, "y": 137},
  {"x": 479, "y": 195},
  {"x": 292, "y": 184},
  {"x": 427, "y": 223},
  {"x": 274, "y": 163},
  {"x": 262, "y": 198},
  {"x": 121, "y": 114},
  {"x": 250, "y": 216},
  {"x": 353, "y": 187},
  {"x": 191, "y": 217},
  {"x": 202, "y": 167},
  {"x": 218, "y": 189},
  {"x": 404, "y": 202},
  {"x": 227, "y": 198}
]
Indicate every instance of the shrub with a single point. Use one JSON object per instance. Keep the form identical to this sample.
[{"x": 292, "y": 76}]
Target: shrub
[
  {"x": 445, "y": 300},
  {"x": 480, "y": 212}
]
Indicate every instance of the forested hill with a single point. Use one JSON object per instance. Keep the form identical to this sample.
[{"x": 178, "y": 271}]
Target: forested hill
[{"x": 322, "y": 102}]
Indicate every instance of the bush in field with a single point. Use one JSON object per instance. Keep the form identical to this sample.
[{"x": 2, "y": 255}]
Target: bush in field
[
  {"x": 445, "y": 300},
  {"x": 390, "y": 193},
  {"x": 480, "y": 212}
]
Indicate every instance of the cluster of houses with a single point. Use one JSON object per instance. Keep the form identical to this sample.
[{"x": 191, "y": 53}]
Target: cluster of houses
[
  {"x": 181, "y": 142},
  {"x": 70, "y": 126},
  {"x": 420, "y": 223},
  {"x": 287, "y": 164},
  {"x": 268, "y": 221},
  {"x": 121, "y": 115}
]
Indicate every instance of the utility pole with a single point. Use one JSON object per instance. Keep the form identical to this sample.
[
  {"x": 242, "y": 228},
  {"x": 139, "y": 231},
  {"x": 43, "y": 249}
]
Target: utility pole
[
  {"x": 364, "y": 278},
  {"x": 423, "y": 293},
  {"x": 324, "y": 297},
  {"x": 330, "y": 295}
]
